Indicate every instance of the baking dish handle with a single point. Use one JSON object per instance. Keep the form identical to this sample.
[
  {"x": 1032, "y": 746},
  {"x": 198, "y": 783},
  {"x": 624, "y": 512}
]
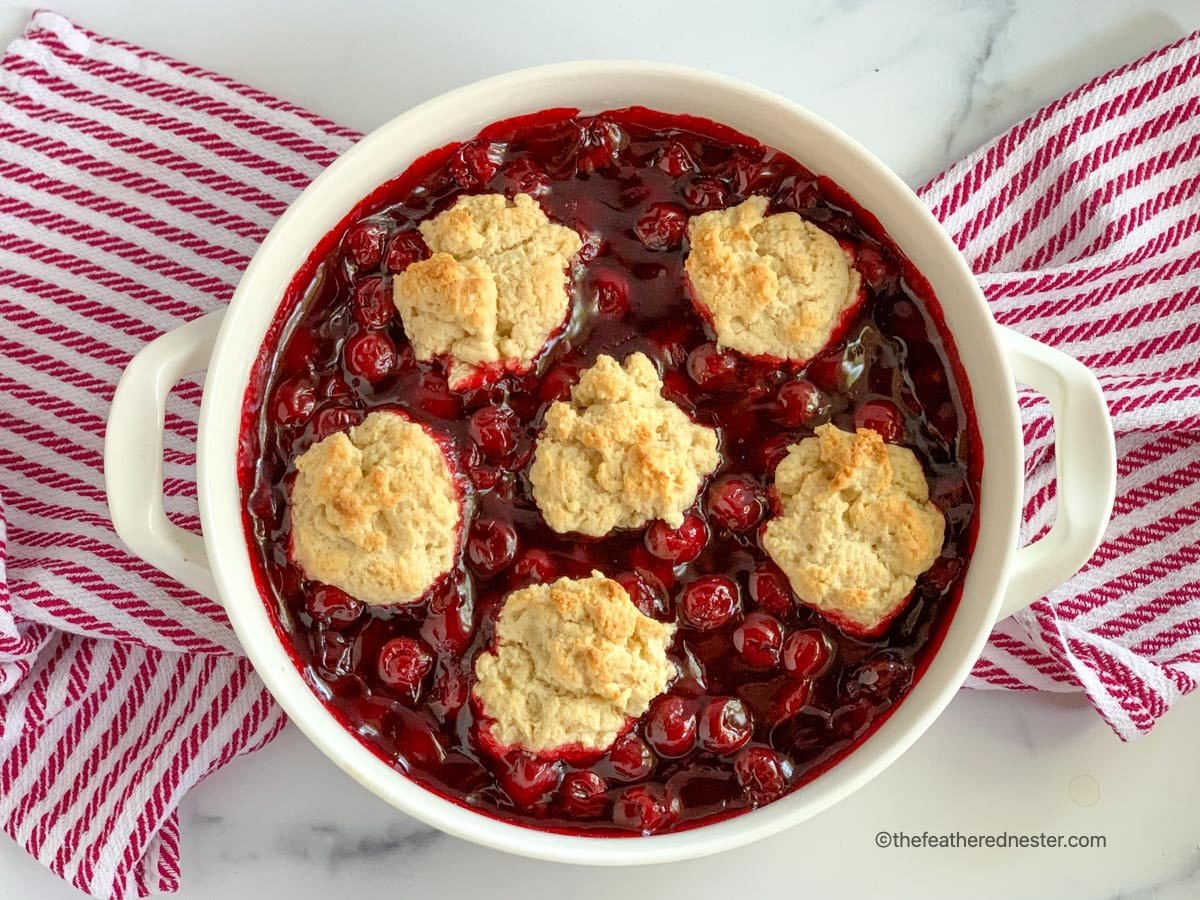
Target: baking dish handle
[
  {"x": 1085, "y": 469},
  {"x": 133, "y": 453}
]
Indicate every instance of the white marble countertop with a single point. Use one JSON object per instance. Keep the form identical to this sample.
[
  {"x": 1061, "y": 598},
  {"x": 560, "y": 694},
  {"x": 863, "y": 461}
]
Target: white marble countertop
[{"x": 920, "y": 82}]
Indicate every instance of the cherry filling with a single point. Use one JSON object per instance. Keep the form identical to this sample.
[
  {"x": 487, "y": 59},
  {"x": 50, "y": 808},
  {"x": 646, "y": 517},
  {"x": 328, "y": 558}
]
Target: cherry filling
[{"x": 769, "y": 693}]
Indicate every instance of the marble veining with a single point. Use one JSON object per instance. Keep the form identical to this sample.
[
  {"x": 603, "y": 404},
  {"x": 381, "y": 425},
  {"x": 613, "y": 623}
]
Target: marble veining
[
  {"x": 336, "y": 847},
  {"x": 998, "y": 17},
  {"x": 1186, "y": 884}
]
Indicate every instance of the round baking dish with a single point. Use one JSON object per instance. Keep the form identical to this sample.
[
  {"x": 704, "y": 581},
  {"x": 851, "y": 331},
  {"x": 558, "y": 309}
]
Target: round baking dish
[{"x": 1001, "y": 578}]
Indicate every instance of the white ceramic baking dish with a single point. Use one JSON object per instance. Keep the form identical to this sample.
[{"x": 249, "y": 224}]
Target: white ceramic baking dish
[{"x": 1001, "y": 578}]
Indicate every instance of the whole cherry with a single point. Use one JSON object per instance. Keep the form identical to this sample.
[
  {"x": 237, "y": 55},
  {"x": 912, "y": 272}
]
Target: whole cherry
[
  {"x": 612, "y": 295},
  {"x": 661, "y": 227},
  {"x": 882, "y": 416},
  {"x": 364, "y": 242},
  {"x": 583, "y": 794},
  {"x": 725, "y": 726},
  {"x": 762, "y": 773},
  {"x": 371, "y": 304},
  {"x": 527, "y": 779},
  {"x": 799, "y": 403},
  {"x": 806, "y": 653},
  {"x": 535, "y": 565},
  {"x": 293, "y": 402},
  {"x": 671, "y": 726},
  {"x": 675, "y": 160},
  {"x": 736, "y": 503},
  {"x": 769, "y": 589},
  {"x": 645, "y": 808},
  {"x": 403, "y": 664},
  {"x": 677, "y": 545},
  {"x": 630, "y": 757},
  {"x": 491, "y": 545},
  {"x": 710, "y": 601},
  {"x": 758, "y": 639},
  {"x": 371, "y": 355},
  {"x": 647, "y": 595},
  {"x": 405, "y": 248},
  {"x": 494, "y": 429},
  {"x": 712, "y": 368},
  {"x": 472, "y": 166}
]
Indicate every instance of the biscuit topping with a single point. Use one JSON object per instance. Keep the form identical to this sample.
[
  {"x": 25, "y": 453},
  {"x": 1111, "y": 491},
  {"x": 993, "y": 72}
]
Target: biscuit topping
[
  {"x": 376, "y": 511},
  {"x": 857, "y": 527},
  {"x": 775, "y": 286},
  {"x": 574, "y": 662},
  {"x": 494, "y": 287},
  {"x": 619, "y": 454}
]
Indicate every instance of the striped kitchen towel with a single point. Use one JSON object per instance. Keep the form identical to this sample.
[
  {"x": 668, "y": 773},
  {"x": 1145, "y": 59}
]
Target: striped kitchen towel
[
  {"x": 1082, "y": 224},
  {"x": 134, "y": 189}
]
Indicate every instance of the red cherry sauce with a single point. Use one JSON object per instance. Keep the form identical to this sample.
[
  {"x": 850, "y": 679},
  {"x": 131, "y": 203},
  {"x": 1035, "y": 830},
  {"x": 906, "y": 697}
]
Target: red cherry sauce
[{"x": 755, "y": 716}]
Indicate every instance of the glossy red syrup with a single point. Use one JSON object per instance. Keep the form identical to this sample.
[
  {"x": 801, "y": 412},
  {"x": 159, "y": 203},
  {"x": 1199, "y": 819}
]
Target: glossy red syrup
[{"x": 769, "y": 694}]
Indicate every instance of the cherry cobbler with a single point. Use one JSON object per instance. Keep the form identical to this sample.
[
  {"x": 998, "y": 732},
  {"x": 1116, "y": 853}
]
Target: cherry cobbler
[{"x": 609, "y": 474}]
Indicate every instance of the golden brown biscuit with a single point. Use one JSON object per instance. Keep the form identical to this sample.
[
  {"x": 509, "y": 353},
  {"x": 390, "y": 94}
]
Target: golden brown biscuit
[
  {"x": 376, "y": 512},
  {"x": 494, "y": 288},
  {"x": 775, "y": 286},
  {"x": 856, "y": 527},
  {"x": 619, "y": 454},
  {"x": 574, "y": 662}
]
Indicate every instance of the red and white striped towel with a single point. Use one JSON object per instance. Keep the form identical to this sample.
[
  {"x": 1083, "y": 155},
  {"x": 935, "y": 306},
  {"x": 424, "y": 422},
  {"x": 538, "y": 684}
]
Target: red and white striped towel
[
  {"x": 133, "y": 189},
  {"x": 1082, "y": 225}
]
